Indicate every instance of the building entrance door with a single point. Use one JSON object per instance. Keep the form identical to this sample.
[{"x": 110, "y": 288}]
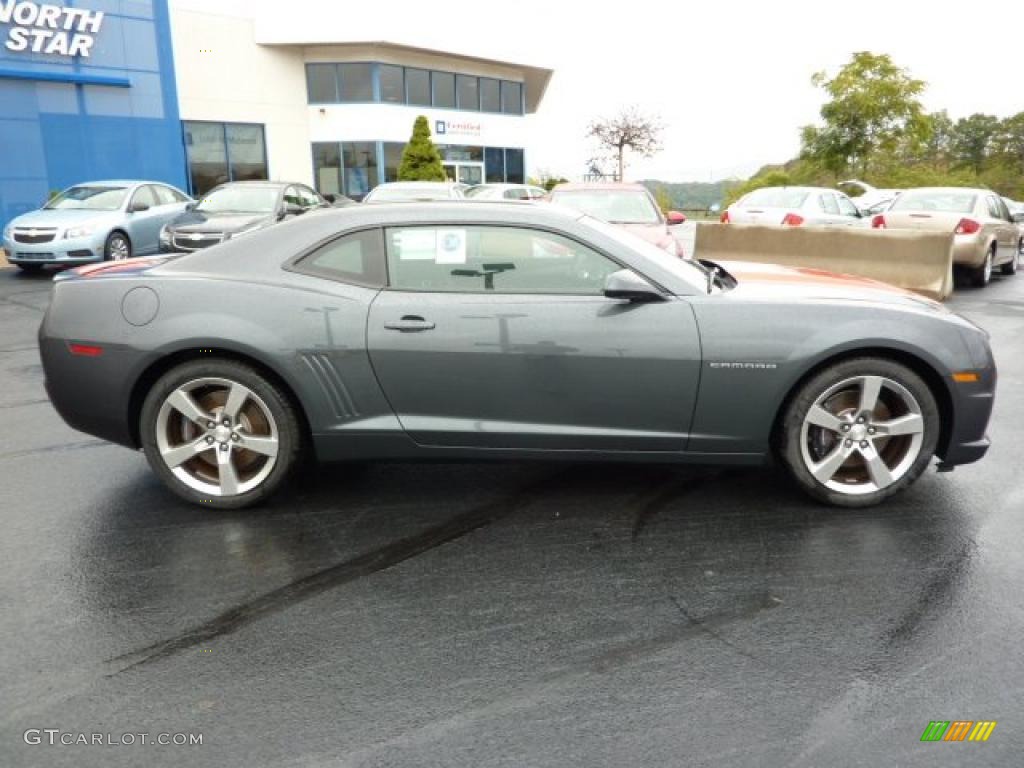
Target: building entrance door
[{"x": 465, "y": 173}]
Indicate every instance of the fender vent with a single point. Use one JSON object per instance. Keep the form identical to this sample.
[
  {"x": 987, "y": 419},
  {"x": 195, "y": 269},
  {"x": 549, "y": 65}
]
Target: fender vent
[{"x": 333, "y": 385}]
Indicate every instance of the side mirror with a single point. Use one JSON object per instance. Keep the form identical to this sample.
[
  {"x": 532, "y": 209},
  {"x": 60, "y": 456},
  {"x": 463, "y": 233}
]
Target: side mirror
[
  {"x": 675, "y": 217},
  {"x": 138, "y": 207},
  {"x": 626, "y": 284}
]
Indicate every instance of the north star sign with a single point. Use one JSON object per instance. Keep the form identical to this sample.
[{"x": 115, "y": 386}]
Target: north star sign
[{"x": 49, "y": 29}]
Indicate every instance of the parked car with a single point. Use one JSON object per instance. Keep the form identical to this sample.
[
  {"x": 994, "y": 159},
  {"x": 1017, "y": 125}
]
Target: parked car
[
  {"x": 986, "y": 234},
  {"x": 866, "y": 197},
  {"x": 236, "y": 209},
  {"x": 499, "y": 331},
  {"x": 630, "y": 206},
  {"x": 415, "y": 191},
  {"x": 795, "y": 207},
  {"x": 95, "y": 221},
  {"x": 506, "y": 192}
]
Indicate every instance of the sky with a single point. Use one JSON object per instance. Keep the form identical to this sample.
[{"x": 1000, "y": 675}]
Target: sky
[{"x": 729, "y": 80}]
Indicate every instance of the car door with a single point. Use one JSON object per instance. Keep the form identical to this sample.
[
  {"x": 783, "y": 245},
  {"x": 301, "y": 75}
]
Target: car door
[
  {"x": 501, "y": 337},
  {"x": 1007, "y": 230},
  {"x": 144, "y": 223}
]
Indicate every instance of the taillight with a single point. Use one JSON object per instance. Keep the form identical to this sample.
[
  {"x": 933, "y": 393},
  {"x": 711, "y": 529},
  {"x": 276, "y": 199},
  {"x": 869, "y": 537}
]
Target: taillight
[
  {"x": 878, "y": 222},
  {"x": 725, "y": 217},
  {"x": 793, "y": 220},
  {"x": 86, "y": 350},
  {"x": 967, "y": 227}
]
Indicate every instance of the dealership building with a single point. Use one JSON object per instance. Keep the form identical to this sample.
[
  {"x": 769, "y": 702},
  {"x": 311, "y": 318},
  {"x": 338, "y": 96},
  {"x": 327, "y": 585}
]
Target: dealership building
[{"x": 199, "y": 93}]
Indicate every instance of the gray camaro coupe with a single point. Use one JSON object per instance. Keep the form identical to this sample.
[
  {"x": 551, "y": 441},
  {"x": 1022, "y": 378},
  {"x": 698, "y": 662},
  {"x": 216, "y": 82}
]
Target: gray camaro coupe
[{"x": 463, "y": 331}]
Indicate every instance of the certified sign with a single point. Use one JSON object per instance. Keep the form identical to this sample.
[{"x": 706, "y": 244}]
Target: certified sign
[{"x": 49, "y": 29}]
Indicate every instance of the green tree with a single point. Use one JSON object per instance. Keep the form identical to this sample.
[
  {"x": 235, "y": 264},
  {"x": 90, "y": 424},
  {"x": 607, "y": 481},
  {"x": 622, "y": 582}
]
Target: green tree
[
  {"x": 1008, "y": 143},
  {"x": 420, "y": 159},
  {"x": 972, "y": 140},
  {"x": 873, "y": 109}
]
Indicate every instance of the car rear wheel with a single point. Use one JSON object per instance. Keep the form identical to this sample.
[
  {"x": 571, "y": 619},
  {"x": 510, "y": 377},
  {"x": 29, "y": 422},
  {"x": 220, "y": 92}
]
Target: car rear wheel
[
  {"x": 219, "y": 433},
  {"x": 117, "y": 248},
  {"x": 1010, "y": 267},
  {"x": 860, "y": 431},
  {"x": 980, "y": 276}
]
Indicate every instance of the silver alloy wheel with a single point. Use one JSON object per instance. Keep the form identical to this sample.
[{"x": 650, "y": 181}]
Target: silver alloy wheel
[
  {"x": 217, "y": 436},
  {"x": 119, "y": 249},
  {"x": 988, "y": 267},
  {"x": 862, "y": 435}
]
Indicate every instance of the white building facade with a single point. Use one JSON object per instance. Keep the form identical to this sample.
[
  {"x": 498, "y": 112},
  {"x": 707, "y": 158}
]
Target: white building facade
[{"x": 260, "y": 101}]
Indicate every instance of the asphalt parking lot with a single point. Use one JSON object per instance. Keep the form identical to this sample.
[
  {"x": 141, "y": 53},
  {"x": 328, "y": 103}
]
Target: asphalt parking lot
[{"x": 505, "y": 615}]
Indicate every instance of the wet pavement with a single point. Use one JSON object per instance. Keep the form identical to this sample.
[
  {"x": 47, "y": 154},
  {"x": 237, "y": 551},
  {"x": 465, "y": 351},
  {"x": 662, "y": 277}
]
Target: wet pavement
[{"x": 504, "y": 615}]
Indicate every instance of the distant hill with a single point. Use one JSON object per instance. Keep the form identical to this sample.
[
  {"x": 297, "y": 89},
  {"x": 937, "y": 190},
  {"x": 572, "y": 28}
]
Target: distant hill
[{"x": 690, "y": 194}]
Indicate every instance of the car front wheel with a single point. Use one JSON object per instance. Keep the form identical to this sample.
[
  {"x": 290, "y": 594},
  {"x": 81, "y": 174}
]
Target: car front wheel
[
  {"x": 117, "y": 247},
  {"x": 980, "y": 276},
  {"x": 219, "y": 433},
  {"x": 860, "y": 431}
]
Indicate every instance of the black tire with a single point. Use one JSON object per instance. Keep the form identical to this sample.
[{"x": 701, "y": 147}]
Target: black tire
[
  {"x": 981, "y": 276},
  {"x": 112, "y": 249},
  {"x": 1009, "y": 269},
  {"x": 289, "y": 432},
  {"x": 30, "y": 269},
  {"x": 790, "y": 434}
]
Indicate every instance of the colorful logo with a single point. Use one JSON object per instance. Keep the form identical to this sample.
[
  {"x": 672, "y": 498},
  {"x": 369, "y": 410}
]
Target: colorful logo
[{"x": 958, "y": 730}]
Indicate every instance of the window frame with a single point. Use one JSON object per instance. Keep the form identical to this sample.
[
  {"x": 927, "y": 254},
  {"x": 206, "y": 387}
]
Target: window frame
[
  {"x": 386, "y": 229},
  {"x": 227, "y": 150},
  {"x": 294, "y": 264}
]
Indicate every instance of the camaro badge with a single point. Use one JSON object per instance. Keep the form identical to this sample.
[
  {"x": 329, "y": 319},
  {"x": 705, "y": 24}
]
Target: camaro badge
[{"x": 745, "y": 366}]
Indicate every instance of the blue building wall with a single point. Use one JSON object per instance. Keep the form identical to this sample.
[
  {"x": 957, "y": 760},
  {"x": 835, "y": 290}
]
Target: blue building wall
[{"x": 111, "y": 115}]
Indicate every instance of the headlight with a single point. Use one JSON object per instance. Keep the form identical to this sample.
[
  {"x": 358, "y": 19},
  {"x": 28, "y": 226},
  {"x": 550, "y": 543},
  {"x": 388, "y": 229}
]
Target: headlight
[
  {"x": 165, "y": 235},
  {"x": 81, "y": 231}
]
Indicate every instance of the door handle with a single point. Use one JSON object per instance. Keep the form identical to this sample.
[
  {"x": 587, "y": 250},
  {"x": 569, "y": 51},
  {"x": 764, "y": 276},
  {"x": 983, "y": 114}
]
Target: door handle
[{"x": 410, "y": 324}]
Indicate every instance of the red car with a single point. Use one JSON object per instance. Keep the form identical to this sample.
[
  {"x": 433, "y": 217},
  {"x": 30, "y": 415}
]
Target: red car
[{"x": 630, "y": 206}]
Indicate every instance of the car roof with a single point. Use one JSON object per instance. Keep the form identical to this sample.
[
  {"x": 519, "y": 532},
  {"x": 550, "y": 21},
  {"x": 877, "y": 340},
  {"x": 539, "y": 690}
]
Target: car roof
[
  {"x": 262, "y": 183},
  {"x": 117, "y": 183},
  {"x": 972, "y": 190},
  {"x": 596, "y": 185}
]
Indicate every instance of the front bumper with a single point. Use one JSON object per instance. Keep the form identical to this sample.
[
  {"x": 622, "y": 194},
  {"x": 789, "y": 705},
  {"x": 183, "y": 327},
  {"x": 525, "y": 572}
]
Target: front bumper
[{"x": 70, "y": 252}]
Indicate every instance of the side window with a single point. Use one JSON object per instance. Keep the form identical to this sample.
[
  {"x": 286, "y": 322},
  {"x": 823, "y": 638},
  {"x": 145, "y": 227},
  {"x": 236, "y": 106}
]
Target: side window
[
  {"x": 357, "y": 258},
  {"x": 144, "y": 195},
  {"x": 846, "y": 206},
  {"x": 1004, "y": 212},
  {"x": 517, "y": 193},
  {"x": 993, "y": 208},
  {"x": 165, "y": 195},
  {"x": 493, "y": 259},
  {"x": 291, "y": 197},
  {"x": 827, "y": 202},
  {"x": 310, "y": 199}
]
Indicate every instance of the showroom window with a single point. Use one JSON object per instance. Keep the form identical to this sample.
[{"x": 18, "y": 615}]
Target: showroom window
[
  {"x": 222, "y": 152},
  {"x": 490, "y": 95},
  {"x": 359, "y": 164},
  {"x": 392, "y": 160},
  {"x": 417, "y": 87},
  {"x": 355, "y": 83},
  {"x": 476, "y": 259},
  {"x": 327, "y": 167},
  {"x": 322, "y": 83},
  {"x": 511, "y": 98},
  {"x": 468, "y": 89},
  {"x": 494, "y": 163},
  {"x": 392, "y": 84},
  {"x": 515, "y": 173}
]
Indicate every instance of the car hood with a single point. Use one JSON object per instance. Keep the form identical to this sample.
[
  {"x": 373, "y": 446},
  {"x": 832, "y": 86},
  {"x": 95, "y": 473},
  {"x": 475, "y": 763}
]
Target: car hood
[
  {"x": 774, "y": 282},
  {"x": 658, "y": 234},
  {"x": 201, "y": 221},
  {"x": 60, "y": 218}
]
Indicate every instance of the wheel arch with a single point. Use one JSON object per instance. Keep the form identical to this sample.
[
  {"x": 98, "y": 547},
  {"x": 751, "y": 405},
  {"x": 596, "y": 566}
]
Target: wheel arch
[
  {"x": 149, "y": 376},
  {"x": 917, "y": 363}
]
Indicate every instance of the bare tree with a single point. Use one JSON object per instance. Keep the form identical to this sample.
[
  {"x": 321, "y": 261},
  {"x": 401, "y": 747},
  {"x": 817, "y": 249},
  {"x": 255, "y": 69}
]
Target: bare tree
[{"x": 629, "y": 129}]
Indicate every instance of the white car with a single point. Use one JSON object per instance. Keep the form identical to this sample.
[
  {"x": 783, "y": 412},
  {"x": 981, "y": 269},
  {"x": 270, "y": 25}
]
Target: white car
[
  {"x": 506, "y": 192},
  {"x": 795, "y": 207},
  {"x": 415, "y": 192}
]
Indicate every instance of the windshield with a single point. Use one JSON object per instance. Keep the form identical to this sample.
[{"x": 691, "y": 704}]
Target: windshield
[
  {"x": 88, "y": 199},
  {"x": 626, "y": 206},
  {"x": 944, "y": 201},
  {"x": 690, "y": 271},
  {"x": 408, "y": 194},
  {"x": 240, "y": 199},
  {"x": 775, "y": 197}
]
